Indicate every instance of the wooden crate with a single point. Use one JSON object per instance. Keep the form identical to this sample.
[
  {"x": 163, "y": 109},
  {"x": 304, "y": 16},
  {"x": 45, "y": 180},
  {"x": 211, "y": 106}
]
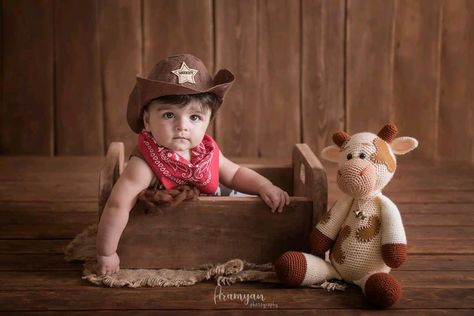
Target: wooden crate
[{"x": 217, "y": 229}]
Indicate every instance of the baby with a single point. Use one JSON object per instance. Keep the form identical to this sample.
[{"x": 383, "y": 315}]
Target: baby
[{"x": 171, "y": 110}]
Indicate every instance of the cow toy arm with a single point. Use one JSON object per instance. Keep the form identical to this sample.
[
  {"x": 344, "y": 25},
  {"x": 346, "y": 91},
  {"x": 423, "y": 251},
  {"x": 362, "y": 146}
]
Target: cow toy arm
[
  {"x": 324, "y": 234},
  {"x": 394, "y": 241}
]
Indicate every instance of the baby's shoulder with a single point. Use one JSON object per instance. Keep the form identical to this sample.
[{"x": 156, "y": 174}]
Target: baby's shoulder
[{"x": 138, "y": 171}]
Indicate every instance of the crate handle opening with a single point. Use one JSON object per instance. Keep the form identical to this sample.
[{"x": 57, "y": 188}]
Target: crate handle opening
[{"x": 302, "y": 173}]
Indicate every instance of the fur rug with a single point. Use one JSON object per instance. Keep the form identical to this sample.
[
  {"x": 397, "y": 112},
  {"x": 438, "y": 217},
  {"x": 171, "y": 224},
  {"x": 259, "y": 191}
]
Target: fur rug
[{"x": 82, "y": 248}]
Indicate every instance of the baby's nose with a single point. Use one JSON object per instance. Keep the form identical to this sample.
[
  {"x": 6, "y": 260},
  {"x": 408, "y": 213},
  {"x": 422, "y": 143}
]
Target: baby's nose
[{"x": 181, "y": 126}]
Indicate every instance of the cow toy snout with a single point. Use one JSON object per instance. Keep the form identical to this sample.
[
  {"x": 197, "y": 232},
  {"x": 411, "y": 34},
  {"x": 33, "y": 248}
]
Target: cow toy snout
[{"x": 357, "y": 177}]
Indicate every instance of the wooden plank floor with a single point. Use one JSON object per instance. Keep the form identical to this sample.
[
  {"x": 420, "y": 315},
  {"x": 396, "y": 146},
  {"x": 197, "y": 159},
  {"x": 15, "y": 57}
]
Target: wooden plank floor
[{"x": 44, "y": 202}]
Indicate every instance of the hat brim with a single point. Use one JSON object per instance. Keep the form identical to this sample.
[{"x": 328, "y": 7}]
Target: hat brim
[{"x": 147, "y": 90}]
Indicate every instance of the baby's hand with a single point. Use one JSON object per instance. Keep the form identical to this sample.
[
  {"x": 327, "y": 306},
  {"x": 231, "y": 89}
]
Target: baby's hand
[
  {"x": 108, "y": 264},
  {"x": 274, "y": 197}
]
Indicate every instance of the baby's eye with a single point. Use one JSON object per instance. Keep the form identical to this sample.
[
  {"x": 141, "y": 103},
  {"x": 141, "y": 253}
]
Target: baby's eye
[
  {"x": 168, "y": 115},
  {"x": 195, "y": 118}
]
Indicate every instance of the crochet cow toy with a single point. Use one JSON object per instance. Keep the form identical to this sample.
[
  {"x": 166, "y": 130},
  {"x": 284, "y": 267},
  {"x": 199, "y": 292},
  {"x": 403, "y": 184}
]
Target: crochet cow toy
[{"x": 363, "y": 230}]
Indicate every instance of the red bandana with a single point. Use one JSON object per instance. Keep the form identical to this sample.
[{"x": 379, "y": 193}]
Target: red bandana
[{"x": 172, "y": 169}]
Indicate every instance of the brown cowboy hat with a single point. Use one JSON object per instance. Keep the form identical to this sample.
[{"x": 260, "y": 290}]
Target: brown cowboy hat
[{"x": 175, "y": 75}]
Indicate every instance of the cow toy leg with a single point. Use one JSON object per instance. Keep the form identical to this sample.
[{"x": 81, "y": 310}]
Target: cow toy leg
[
  {"x": 301, "y": 269},
  {"x": 381, "y": 289}
]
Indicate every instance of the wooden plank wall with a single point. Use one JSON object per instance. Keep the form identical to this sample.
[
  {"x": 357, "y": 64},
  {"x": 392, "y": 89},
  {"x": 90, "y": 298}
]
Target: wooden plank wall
[
  {"x": 305, "y": 69},
  {"x": 27, "y": 121}
]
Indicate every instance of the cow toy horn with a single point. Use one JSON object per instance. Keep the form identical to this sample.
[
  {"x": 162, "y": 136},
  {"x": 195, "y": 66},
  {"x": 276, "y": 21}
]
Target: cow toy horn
[
  {"x": 340, "y": 137},
  {"x": 388, "y": 133}
]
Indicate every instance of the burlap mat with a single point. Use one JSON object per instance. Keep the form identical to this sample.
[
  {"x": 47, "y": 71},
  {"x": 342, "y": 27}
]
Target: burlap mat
[{"x": 82, "y": 248}]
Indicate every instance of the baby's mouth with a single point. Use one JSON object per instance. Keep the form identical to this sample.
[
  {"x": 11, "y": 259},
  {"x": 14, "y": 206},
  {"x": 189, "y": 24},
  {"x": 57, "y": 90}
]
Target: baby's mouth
[{"x": 180, "y": 138}]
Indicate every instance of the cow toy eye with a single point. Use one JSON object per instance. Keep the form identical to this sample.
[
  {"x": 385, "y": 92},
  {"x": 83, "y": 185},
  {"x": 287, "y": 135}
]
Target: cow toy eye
[
  {"x": 362, "y": 156},
  {"x": 349, "y": 156}
]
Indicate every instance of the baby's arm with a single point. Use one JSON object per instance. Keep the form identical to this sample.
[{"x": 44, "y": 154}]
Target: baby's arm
[
  {"x": 136, "y": 177},
  {"x": 248, "y": 181}
]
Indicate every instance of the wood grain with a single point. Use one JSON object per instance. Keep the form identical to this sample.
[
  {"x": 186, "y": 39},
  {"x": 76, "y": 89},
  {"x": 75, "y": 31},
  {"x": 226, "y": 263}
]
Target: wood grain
[
  {"x": 369, "y": 64},
  {"x": 55, "y": 262},
  {"x": 328, "y": 64},
  {"x": 78, "y": 102},
  {"x": 437, "y": 277},
  {"x": 322, "y": 71},
  {"x": 2, "y": 52},
  {"x": 226, "y": 228},
  {"x": 293, "y": 312},
  {"x": 456, "y": 114},
  {"x": 45, "y": 202},
  {"x": 432, "y": 215},
  {"x": 421, "y": 239},
  {"x": 26, "y": 119},
  {"x": 309, "y": 179},
  {"x": 175, "y": 27},
  {"x": 80, "y": 191},
  {"x": 201, "y": 297},
  {"x": 37, "y": 262},
  {"x": 413, "y": 184},
  {"x": 38, "y": 168},
  {"x": 416, "y": 73},
  {"x": 33, "y": 246},
  {"x": 279, "y": 77},
  {"x": 236, "y": 49},
  {"x": 120, "y": 26},
  {"x": 21, "y": 280}
]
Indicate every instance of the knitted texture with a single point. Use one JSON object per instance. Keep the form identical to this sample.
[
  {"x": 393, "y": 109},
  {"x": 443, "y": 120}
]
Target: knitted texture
[
  {"x": 382, "y": 290},
  {"x": 366, "y": 165},
  {"x": 382, "y": 155},
  {"x": 291, "y": 268},
  {"x": 357, "y": 250},
  {"x": 319, "y": 243},
  {"x": 368, "y": 146},
  {"x": 393, "y": 232},
  {"x": 366, "y": 227},
  {"x": 394, "y": 254},
  {"x": 337, "y": 254},
  {"x": 388, "y": 133},
  {"x": 340, "y": 137},
  {"x": 317, "y": 271},
  {"x": 357, "y": 179}
]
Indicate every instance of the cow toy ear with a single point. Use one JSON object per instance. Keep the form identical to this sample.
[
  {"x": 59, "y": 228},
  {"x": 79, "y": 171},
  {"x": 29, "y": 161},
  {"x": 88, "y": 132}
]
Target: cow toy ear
[
  {"x": 403, "y": 145},
  {"x": 331, "y": 153}
]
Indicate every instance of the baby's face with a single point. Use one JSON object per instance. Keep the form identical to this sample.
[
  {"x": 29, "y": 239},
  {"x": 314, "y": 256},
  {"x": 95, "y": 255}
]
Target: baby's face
[{"x": 177, "y": 128}]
